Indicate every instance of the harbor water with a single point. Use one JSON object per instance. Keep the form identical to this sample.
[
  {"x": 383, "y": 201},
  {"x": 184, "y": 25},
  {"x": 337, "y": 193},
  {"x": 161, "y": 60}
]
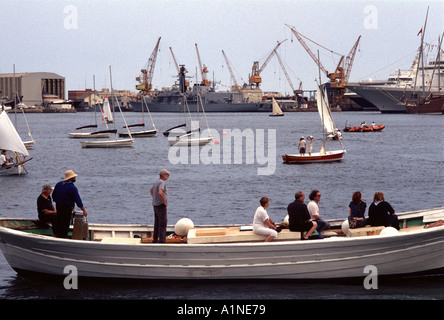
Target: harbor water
[{"x": 405, "y": 161}]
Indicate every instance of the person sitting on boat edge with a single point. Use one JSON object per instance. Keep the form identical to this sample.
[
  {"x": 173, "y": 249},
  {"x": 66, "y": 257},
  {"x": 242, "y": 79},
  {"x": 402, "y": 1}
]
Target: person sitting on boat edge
[
  {"x": 45, "y": 208},
  {"x": 262, "y": 223},
  {"x": 302, "y": 145},
  {"x": 356, "y": 211},
  {"x": 381, "y": 213},
  {"x": 5, "y": 161},
  {"x": 299, "y": 218},
  {"x": 313, "y": 209}
]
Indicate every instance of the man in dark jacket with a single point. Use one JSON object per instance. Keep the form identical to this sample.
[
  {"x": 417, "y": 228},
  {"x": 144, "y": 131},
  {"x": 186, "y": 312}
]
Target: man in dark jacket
[
  {"x": 66, "y": 196},
  {"x": 299, "y": 217}
]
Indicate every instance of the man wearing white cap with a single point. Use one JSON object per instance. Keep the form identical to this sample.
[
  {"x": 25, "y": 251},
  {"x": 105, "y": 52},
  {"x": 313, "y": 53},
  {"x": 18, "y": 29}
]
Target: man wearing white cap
[
  {"x": 160, "y": 201},
  {"x": 66, "y": 196}
]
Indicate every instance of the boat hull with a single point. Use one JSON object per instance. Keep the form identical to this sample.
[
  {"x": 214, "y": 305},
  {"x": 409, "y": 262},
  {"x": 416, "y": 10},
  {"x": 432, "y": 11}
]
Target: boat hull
[
  {"x": 365, "y": 129},
  {"x": 404, "y": 253},
  {"x": 434, "y": 106},
  {"x": 190, "y": 142},
  {"x": 87, "y": 135},
  {"x": 122, "y": 143},
  {"x": 209, "y": 107},
  {"x": 316, "y": 157},
  {"x": 11, "y": 170},
  {"x": 139, "y": 134}
]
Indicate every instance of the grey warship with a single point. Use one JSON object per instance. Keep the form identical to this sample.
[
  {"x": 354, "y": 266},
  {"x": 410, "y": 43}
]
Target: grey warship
[{"x": 245, "y": 99}]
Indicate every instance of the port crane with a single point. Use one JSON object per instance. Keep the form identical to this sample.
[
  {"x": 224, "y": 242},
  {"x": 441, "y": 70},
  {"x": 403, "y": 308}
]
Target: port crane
[
  {"x": 295, "y": 91},
  {"x": 186, "y": 83},
  {"x": 338, "y": 78},
  {"x": 255, "y": 78},
  {"x": 203, "y": 70},
  {"x": 233, "y": 78},
  {"x": 146, "y": 77}
]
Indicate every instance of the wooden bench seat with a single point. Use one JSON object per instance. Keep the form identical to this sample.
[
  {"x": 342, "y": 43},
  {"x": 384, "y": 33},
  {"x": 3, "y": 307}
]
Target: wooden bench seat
[
  {"x": 233, "y": 234},
  {"x": 366, "y": 231}
]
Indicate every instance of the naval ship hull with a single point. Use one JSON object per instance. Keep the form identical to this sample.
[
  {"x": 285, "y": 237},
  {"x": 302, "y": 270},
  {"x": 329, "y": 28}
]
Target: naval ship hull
[{"x": 211, "y": 107}]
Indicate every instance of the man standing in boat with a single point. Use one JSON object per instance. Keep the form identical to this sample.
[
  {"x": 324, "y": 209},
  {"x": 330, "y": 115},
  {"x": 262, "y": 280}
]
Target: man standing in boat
[
  {"x": 66, "y": 196},
  {"x": 160, "y": 201}
]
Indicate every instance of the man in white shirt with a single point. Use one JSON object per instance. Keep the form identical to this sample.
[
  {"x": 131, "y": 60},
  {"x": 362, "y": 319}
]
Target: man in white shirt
[{"x": 313, "y": 209}]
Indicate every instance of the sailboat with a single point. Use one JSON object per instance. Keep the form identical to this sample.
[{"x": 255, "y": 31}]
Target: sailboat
[
  {"x": 11, "y": 141},
  {"x": 92, "y": 134},
  {"x": 115, "y": 143},
  {"x": 427, "y": 103},
  {"x": 141, "y": 133},
  {"x": 276, "y": 110},
  {"x": 192, "y": 137},
  {"x": 322, "y": 155}
]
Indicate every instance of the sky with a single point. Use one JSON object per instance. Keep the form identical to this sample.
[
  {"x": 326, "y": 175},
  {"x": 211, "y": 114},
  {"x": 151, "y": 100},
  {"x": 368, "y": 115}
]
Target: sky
[{"x": 80, "y": 39}]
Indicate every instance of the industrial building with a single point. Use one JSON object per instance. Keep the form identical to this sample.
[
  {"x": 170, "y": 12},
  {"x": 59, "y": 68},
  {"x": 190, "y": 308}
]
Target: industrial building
[{"x": 34, "y": 88}]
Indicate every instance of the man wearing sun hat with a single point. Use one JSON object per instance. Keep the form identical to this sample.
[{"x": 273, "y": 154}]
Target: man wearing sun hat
[
  {"x": 66, "y": 196},
  {"x": 160, "y": 201}
]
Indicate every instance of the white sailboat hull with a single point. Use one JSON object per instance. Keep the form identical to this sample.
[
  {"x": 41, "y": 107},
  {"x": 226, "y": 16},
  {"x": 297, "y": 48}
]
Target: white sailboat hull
[
  {"x": 87, "y": 135},
  {"x": 190, "y": 142},
  {"x": 122, "y": 143},
  {"x": 407, "y": 252},
  {"x": 11, "y": 170}
]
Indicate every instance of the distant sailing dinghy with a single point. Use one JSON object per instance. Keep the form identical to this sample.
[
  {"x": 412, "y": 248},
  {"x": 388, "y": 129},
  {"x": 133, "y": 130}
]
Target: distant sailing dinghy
[
  {"x": 107, "y": 115},
  {"x": 328, "y": 124},
  {"x": 112, "y": 143},
  {"x": 192, "y": 137},
  {"x": 141, "y": 133},
  {"x": 11, "y": 141},
  {"x": 276, "y": 111}
]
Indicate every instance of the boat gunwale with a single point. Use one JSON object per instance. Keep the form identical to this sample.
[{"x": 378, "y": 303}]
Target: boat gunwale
[{"x": 146, "y": 227}]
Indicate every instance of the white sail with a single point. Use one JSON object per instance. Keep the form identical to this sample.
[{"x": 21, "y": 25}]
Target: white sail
[
  {"x": 9, "y": 138},
  {"x": 324, "y": 111},
  {"x": 107, "y": 114},
  {"x": 276, "y": 109}
]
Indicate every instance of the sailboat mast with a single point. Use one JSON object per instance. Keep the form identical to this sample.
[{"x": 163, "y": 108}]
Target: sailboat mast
[
  {"x": 422, "y": 53},
  {"x": 118, "y": 104},
  {"x": 322, "y": 110}
]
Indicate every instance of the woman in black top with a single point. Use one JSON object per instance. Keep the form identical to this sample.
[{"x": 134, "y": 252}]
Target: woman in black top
[{"x": 381, "y": 213}]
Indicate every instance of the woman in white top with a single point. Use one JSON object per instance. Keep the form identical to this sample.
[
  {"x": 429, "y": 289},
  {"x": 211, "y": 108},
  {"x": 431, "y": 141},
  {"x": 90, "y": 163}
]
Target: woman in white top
[{"x": 262, "y": 223}]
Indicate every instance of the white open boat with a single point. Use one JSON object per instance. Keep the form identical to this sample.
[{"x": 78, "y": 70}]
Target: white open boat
[
  {"x": 225, "y": 252},
  {"x": 117, "y": 143}
]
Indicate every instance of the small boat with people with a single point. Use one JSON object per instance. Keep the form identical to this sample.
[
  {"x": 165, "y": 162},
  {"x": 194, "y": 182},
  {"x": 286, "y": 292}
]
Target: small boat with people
[
  {"x": 13, "y": 151},
  {"x": 363, "y": 127},
  {"x": 225, "y": 251},
  {"x": 329, "y": 131}
]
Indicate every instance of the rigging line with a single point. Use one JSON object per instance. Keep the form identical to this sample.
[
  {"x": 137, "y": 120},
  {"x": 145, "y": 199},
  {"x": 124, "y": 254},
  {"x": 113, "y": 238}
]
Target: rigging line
[{"x": 339, "y": 54}]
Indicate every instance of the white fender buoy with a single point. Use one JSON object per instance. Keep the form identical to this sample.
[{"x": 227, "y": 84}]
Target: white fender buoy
[
  {"x": 345, "y": 228},
  {"x": 182, "y": 226},
  {"x": 388, "y": 231}
]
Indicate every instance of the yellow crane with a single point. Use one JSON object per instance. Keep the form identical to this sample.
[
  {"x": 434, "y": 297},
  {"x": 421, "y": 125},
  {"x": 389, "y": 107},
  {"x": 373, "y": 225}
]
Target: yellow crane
[
  {"x": 255, "y": 78},
  {"x": 338, "y": 78},
  {"x": 146, "y": 77},
  {"x": 203, "y": 70}
]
